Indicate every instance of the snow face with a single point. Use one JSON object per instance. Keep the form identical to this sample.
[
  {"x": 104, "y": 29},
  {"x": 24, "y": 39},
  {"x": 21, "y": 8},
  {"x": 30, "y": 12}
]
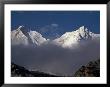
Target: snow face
[
  {"x": 17, "y": 37},
  {"x": 36, "y": 37},
  {"x": 69, "y": 39},
  {"x": 75, "y": 37}
]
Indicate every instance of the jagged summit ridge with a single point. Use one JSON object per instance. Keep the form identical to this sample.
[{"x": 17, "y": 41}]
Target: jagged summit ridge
[
  {"x": 20, "y": 27},
  {"x": 17, "y": 37},
  {"x": 25, "y": 38},
  {"x": 68, "y": 39},
  {"x": 73, "y": 38},
  {"x": 36, "y": 37},
  {"x": 83, "y": 32}
]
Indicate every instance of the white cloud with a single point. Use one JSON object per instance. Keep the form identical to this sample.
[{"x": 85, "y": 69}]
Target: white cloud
[
  {"x": 55, "y": 59},
  {"x": 55, "y": 25}
]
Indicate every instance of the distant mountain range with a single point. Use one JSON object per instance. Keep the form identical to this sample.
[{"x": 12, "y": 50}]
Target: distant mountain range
[
  {"x": 20, "y": 36},
  {"x": 70, "y": 39}
]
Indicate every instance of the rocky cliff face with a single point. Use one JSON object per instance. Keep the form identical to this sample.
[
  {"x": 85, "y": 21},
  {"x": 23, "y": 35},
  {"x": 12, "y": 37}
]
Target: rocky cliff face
[{"x": 92, "y": 69}]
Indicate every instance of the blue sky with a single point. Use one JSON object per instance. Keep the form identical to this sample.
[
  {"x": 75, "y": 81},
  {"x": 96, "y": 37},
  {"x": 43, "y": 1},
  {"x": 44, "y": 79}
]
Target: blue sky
[{"x": 62, "y": 21}]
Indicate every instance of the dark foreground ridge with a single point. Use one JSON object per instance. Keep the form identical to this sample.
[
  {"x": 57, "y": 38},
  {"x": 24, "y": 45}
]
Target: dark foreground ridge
[
  {"x": 18, "y": 71},
  {"x": 92, "y": 69}
]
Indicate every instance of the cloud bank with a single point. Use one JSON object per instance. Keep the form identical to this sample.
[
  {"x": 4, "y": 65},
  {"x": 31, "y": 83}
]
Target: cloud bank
[{"x": 51, "y": 58}]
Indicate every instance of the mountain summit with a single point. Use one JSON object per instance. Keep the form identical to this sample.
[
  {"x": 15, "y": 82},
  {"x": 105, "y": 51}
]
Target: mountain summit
[
  {"x": 20, "y": 36},
  {"x": 73, "y": 38},
  {"x": 36, "y": 37}
]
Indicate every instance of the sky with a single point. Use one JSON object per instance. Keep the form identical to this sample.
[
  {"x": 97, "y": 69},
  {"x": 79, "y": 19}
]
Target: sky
[{"x": 55, "y": 23}]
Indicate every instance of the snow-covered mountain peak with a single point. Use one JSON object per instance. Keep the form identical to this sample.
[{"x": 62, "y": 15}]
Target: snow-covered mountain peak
[
  {"x": 34, "y": 33},
  {"x": 73, "y": 38},
  {"x": 36, "y": 37},
  {"x": 68, "y": 39},
  {"x": 81, "y": 29},
  {"x": 21, "y": 36},
  {"x": 20, "y": 27},
  {"x": 82, "y": 32},
  {"x": 18, "y": 37}
]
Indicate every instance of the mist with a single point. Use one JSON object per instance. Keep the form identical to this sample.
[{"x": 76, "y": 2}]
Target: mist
[{"x": 54, "y": 59}]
